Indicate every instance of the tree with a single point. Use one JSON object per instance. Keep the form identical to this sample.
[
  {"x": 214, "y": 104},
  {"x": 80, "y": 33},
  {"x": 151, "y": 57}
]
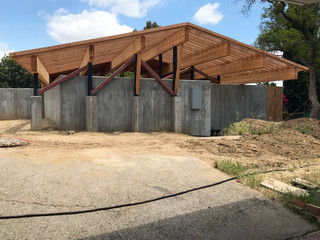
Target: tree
[
  {"x": 295, "y": 31},
  {"x": 266, "y": 84},
  {"x": 13, "y": 75},
  {"x": 150, "y": 25}
]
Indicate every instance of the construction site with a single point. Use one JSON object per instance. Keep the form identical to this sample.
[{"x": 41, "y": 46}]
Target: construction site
[{"x": 92, "y": 151}]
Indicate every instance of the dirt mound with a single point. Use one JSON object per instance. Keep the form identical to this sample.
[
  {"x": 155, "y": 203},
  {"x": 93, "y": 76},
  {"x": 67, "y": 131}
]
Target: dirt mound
[
  {"x": 264, "y": 143},
  {"x": 307, "y": 125}
]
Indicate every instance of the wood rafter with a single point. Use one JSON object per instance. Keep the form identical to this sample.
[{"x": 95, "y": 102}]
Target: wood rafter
[
  {"x": 88, "y": 57},
  {"x": 175, "y": 39},
  {"x": 286, "y": 74},
  {"x": 38, "y": 67},
  {"x": 201, "y": 57},
  {"x": 134, "y": 47},
  {"x": 212, "y": 53},
  {"x": 240, "y": 66}
]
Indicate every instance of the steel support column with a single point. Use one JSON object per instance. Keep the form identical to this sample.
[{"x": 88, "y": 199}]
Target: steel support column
[
  {"x": 160, "y": 65},
  {"x": 192, "y": 73},
  {"x": 175, "y": 59},
  {"x": 35, "y": 84},
  {"x": 135, "y": 75},
  {"x": 89, "y": 79}
]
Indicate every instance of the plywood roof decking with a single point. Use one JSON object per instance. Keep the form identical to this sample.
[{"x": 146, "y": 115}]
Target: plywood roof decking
[{"x": 238, "y": 64}]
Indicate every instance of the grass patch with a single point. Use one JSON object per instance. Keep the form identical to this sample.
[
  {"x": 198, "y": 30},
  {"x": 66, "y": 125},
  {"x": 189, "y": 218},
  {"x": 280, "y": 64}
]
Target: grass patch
[
  {"x": 234, "y": 169},
  {"x": 250, "y": 176},
  {"x": 247, "y": 175},
  {"x": 248, "y": 128},
  {"x": 304, "y": 129},
  {"x": 311, "y": 198}
]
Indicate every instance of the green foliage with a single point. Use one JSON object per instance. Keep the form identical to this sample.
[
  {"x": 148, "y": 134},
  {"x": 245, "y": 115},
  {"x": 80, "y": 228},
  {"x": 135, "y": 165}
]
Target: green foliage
[
  {"x": 13, "y": 75},
  {"x": 234, "y": 169},
  {"x": 297, "y": 93},
  {"x": 311, "y": 198},
  {"x": 150, "y": 25},
  {"x": 295, "y": 31},
  {"x": 267, "y": 84},
  {"x": 248, "y": 128},
  {"x": 251, "y": 179},
  {"x": 304, "y": 129}
]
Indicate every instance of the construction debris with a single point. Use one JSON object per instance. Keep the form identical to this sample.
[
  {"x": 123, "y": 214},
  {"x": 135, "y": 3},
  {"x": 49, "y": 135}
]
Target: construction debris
[
  {"x": 305, "y": 184},
  {"x": 283, "y": 187},
  {"x": 8, "y": 142}
]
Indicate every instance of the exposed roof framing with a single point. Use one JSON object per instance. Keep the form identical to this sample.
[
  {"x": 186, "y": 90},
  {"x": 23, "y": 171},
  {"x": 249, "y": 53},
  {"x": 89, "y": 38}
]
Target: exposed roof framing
[{"x": 211, "y": 53}]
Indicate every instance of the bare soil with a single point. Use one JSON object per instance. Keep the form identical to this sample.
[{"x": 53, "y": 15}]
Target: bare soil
[{"x": 285, "y": 147}]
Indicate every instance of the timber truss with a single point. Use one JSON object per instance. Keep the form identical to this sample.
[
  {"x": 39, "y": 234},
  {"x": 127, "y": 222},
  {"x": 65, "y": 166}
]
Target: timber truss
[{"x": 181, "y": 51}]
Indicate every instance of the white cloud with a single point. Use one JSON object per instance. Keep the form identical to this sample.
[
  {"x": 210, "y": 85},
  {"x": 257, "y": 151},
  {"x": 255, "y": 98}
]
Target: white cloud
[
  {"x": 130, "y": 8},
  {"x": 66, "y": 27},
  {"x": 4, "y": 49},
  {"x": 208, "y": 14}
]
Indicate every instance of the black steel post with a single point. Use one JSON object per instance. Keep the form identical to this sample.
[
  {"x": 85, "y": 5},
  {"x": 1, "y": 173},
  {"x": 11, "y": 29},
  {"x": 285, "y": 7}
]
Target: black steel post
[
  {"x": 218, "y": 78},
  {"x": 175, "y": 59},
  {"x": 35, "y": 84},
  {"x": 192, "y": 73},
  {"x": 135, "y": 75},
  {"x": 89, "y": 79},
  {"x": 160, "y": 66}
]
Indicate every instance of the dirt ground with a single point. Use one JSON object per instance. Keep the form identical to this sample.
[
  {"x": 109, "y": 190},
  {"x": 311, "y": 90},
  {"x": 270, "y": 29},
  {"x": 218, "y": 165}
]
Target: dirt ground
[{"x": 286, "y": 147}]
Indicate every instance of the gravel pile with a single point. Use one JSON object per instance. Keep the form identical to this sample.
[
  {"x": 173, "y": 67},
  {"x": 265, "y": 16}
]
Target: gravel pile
[{"x": 7, "y": 142}]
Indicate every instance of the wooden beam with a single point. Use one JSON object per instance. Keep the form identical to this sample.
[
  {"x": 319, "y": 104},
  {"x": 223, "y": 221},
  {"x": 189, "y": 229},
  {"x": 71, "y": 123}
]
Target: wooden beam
[
  {"x": 38, "y": 67},
  {"x": 213, "y": 80},
  {"x": 87, "y": 58},
  {"x": 156, "y": 76},
  {"x": 105, "y": 69},
  {"x": 137, "y": 75},
  {"x": 177, "y": 74},
  {"x": 112, "y": 76},
  {"x": 175, "y": 39},
  {"x": 203, "y": 56},
  {"x": 62, "y": 80},
  {"x": 240, "y": 66},
  {"x": 134, "y": 47},
  {"x": 181, "y": 73},
  {"x": 286, "y": 74}
]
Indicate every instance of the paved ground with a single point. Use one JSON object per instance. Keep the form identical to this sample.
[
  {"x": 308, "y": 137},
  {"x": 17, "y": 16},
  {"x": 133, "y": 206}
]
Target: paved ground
[{"x": 43, "y": 180}]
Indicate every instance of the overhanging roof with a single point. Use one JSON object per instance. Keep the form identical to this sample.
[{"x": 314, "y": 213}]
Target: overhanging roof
[
  {"x": 212, "y": 53},
  {"x": 301, "y": 2}
]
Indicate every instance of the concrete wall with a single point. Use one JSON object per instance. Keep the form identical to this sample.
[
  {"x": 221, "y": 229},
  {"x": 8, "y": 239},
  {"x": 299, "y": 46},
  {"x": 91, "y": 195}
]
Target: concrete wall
[
  {"x": 65, "y": 104},
  {"x": 15, "y": 103},
  {"x": 52, "y": 105},
  {"x": 118, "y": 110},
  {"x": 72, "y": 95},
  {"x": 114, "y": 104},
  {"x": 195, "y": 122},
  {"x": 232, "y": 103},
  {"x": 155, "y": 108}
]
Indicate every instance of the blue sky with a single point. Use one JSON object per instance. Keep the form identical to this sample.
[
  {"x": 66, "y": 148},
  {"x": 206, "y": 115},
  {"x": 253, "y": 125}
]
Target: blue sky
[{"x": 28, "y": 24}]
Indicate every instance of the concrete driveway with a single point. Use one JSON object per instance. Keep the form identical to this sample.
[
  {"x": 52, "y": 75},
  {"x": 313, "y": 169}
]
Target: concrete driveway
[{"x": 38, "y": 179}]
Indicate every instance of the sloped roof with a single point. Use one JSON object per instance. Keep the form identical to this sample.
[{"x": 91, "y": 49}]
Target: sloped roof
[
  {"x": 301, "y": 2},
  {"x": 210, "y": 52}
]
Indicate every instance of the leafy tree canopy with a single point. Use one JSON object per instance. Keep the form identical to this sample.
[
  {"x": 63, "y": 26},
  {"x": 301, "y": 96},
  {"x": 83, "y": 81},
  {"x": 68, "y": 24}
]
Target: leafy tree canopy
[
  {"x": 150, "y": 25},
  {"x": 12, "y": 75},
  {"x": 295, "y": 31}
]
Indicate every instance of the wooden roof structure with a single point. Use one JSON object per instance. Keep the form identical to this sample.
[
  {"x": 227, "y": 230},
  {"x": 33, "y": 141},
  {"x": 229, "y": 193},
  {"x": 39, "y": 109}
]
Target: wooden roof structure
[{"x": 212, "y": 55}]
